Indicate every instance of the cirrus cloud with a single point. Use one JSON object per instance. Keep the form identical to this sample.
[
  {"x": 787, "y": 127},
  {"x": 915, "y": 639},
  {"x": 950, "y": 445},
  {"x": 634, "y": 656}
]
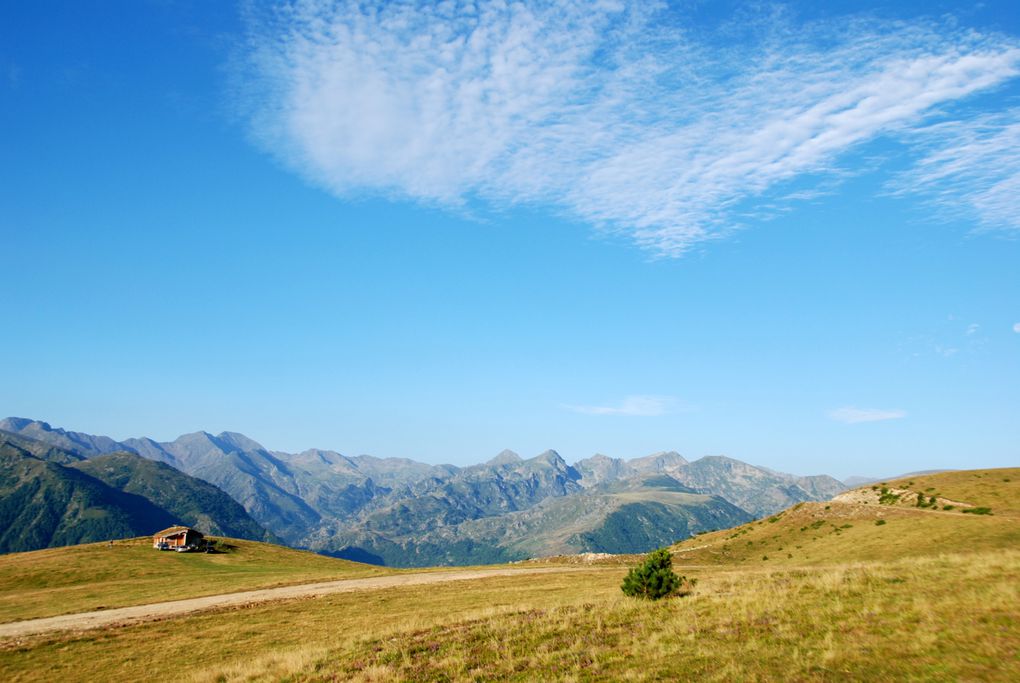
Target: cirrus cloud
[
  {"x": 632, "y": 406},
  {"x": 617, "y": 113},
  {"x": 852, "y": 415},
  {"x": 970, "y": 169}
]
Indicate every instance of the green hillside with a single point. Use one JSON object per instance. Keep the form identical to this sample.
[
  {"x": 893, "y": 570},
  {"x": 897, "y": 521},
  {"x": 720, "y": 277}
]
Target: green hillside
[
  {"x": 652, "y": 511},
  {"x": 23, "y": 445},
  {"x": 44, "y": 504},
  {"x": 191, "y": 501},
  {"x": 50, "y": 496}
]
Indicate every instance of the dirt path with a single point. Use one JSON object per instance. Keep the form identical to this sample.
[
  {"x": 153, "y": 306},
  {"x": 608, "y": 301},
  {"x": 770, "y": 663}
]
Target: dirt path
[{"x": 130, "y": 615}]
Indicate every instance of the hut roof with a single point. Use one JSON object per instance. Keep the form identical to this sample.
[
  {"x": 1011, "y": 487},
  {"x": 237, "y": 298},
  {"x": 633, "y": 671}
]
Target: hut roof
[{"x": 176, "y": 530}]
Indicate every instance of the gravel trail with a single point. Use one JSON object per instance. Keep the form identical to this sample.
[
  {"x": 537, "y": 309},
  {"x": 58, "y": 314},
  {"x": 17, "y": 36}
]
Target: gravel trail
[{"x": 121, "y": 616}]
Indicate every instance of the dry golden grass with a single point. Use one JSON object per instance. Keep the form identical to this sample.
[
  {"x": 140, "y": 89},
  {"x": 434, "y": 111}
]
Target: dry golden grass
[
  {"x": 819, "y": 533},
  {"x": 928, "y": 595},
  {"x": 945, "y": 618},
  {"x": 949, "y": 617},
  {"x": 998, "y": 489},
  {"x": 241, "y": 637},
  {"x": 99, "y": 575}
]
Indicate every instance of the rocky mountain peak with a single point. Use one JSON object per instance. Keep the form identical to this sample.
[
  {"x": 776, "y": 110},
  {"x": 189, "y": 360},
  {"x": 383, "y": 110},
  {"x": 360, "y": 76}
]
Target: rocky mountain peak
[
  {"x": 726, "y": 463},
  {"x": 663, "y": 461},
  {"x": 601, "y": 468},
  {"x": 551, "y": 458},
  {"x": 505, "y": 457},
  {"x": 83, "y": 444},
  {"x": 16, "y": 424},
  {"x": 239, "y": 441}
]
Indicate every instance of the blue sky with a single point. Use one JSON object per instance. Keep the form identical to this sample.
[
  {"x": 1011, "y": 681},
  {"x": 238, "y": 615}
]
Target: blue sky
[{"x": 779, "y": 233}]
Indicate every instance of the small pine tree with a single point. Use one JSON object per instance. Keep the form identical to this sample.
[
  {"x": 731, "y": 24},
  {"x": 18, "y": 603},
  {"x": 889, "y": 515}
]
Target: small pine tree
[{"x": 655, "y": 578}]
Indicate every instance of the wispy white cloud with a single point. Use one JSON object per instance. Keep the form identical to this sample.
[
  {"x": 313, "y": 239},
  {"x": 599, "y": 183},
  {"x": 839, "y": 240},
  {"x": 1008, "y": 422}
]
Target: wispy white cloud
[
  {"x": 970, "y": 168},
  {"x": 1016, "y": 327},
  {"x": 634, "y": 406},
  {"x": 615, "y": 112},
  {"x": 852, "y": 415},
  {"x": 949, "y": 338}
]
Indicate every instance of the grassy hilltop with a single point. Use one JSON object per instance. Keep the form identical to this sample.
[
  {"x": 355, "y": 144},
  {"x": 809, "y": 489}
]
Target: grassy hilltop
[
  {"x": 876, "y": 522},
  {"x": 930, "y": 594},
  {"x": 80, "y": 578}
]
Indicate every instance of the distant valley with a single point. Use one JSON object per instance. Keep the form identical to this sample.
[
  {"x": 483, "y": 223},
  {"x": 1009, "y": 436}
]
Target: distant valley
[{"x": 389, "y": 511}]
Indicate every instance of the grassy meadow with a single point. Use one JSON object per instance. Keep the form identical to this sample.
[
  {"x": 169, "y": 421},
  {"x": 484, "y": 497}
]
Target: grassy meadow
[
  {"x": 864, "y": 529},
  {"x": 938, "y": 599},
  {"x": 80, "y": 578}
]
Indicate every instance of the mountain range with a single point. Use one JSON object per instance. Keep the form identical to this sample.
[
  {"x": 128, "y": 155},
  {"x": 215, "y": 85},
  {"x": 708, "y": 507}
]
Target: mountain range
[{"x": 400, "y": 512}]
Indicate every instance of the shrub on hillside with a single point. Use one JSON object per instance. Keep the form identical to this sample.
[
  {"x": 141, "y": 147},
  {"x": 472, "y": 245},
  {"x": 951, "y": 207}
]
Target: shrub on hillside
[
  {"x": 887, "y": 497},
  {"x": 977, "y": 511},
  {"x": 655, "y": 578}
]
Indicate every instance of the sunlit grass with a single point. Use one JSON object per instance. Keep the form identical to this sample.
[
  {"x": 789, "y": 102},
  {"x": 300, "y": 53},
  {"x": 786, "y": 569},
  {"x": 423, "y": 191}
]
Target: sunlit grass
[
  {"x": 820, "y": 533},
  {"x": 944, "y": 617},
  {"x": 102, "y": 575},
  {"x": 928, "y": 595}
]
